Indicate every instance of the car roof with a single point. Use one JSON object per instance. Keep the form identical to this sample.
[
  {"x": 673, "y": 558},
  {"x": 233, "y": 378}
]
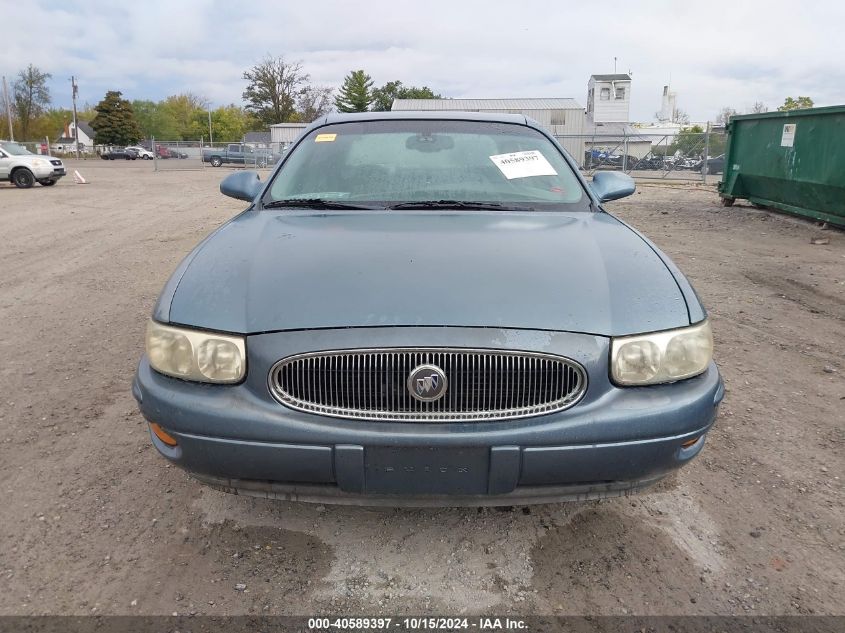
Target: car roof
[{"x": 439, "y": 115}]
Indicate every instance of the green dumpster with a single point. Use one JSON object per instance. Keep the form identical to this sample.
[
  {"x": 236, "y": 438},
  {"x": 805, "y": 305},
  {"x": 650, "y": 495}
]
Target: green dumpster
[{"x": 790, "y": 161}]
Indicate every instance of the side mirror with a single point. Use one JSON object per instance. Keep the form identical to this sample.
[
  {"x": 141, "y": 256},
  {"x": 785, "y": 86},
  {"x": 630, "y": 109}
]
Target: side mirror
[
  {"x": 611, "y": 185},
  {"x": 243, "y": 185}
]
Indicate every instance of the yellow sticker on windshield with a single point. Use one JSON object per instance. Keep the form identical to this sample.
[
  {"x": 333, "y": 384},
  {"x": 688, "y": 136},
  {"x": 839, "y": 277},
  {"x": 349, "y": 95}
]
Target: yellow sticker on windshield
[{"x": 325, "y": 138}]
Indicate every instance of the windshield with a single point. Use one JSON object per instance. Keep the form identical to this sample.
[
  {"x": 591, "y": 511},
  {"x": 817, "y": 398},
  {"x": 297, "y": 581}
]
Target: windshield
[
  {"x": 13, "y": 149},
  {"x": 384, "y": 163}
]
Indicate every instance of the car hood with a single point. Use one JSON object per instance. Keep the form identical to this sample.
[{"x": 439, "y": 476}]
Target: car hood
[
  {"x": 280, "y": 270},
  {"x": 31, "y": 159}
]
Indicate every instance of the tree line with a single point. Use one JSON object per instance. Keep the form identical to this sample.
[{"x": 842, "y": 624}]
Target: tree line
[
  {"x": 277, "y": 91},
  {"x": 789, "y": 104}
]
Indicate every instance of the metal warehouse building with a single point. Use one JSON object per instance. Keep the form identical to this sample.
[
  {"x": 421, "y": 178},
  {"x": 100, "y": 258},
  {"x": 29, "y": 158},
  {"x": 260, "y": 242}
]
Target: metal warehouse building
[
  {"x": 562, "y": 117},
  {"x": 283, "y": 134}
]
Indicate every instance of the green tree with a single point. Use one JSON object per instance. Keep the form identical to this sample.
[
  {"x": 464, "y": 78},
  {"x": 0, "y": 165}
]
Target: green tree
[
  {"x": 50, "y": 123},
  {"x": 801, "y": 103},
  {"x": 272, "y": 89},
  {"x": 115, "y": 122},
  {"x": 182, "y": 111},
  {"x": 355, "y": 94},
  {"x": 383, "y": 97},
  {"x": 689, "y": 141},
  {"x": 229, "y": 123},
  {"x": 31, "y": 97},
  {"x": 155, "y": 121}
]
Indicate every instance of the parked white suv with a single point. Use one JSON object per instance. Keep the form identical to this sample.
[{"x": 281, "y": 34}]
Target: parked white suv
[
  {"x": 24, "y": 168},
  {"x": 142, "y": 153}
]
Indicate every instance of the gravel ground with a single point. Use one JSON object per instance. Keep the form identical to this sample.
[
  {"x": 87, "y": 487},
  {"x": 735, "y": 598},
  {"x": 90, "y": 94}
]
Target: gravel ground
[{"x": 92, "y": 520}]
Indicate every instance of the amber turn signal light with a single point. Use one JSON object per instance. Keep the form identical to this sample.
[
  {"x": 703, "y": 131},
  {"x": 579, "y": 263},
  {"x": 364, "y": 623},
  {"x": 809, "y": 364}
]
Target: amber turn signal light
[
  {"x": 161, "y": 434},
  {"x": 689, "y": 443}
]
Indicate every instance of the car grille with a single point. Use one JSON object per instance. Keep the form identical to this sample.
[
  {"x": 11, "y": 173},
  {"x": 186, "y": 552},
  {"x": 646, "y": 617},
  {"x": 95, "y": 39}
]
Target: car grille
[{"x": 371, "y": 384}]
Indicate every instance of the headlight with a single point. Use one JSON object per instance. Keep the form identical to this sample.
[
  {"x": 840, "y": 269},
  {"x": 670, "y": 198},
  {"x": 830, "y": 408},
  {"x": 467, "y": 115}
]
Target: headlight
[
  {"x": 649, "y": 359},
  {"x": 40, "y": 162},
  {"x": 195, "y": 355}
]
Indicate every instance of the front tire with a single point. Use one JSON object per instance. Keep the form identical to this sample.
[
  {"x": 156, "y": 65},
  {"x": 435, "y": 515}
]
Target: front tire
[
  {"x": 23, "y": 178},
  {"x": 216, "y": 162}
]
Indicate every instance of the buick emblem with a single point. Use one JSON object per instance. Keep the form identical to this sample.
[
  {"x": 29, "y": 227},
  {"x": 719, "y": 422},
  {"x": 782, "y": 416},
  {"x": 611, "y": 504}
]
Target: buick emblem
[{"x": 427, "y": 383}]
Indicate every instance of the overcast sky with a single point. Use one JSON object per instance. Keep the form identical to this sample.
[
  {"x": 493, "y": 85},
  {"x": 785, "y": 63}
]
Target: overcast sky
[{"x": 716, "y": 53}]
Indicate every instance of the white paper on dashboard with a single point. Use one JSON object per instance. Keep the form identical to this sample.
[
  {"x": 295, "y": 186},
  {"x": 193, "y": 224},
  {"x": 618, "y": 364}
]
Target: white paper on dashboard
[{"x": 523, "y": 164}]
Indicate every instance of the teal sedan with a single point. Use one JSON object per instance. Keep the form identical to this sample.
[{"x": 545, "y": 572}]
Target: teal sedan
[{"x": 428, "y": 309}]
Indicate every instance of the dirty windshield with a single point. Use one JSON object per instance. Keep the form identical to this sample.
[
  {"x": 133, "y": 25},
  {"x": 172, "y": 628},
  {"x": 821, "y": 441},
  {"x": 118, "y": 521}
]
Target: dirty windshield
[{"x": 385, "y": 163}]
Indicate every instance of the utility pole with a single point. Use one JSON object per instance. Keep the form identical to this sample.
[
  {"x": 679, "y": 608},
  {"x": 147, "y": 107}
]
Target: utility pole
[
  {"x": 75, "y": 89},
  {"x": 8, "y": 109}
]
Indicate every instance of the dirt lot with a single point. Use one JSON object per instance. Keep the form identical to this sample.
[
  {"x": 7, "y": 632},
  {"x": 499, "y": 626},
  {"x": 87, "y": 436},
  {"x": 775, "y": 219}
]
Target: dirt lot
[{"x": 92, "y": 520}]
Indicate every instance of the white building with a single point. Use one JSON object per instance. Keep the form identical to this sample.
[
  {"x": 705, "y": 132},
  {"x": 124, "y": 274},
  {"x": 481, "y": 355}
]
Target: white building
[
  {"x": 563, "y": 117},
  {"x": 608, "y": 128},
  {"x": 668, "y": 106},
  {"x": 283, "y": 134},
  {"x": 66, "y": 139},
  {"x": 668, "y": 126},
  {"x": 609, "y": 98}
]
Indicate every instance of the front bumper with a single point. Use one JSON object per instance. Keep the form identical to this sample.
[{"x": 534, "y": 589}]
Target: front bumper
[
  {"x": 53, "y": 172},
  {"x": 613, "y": 442}
]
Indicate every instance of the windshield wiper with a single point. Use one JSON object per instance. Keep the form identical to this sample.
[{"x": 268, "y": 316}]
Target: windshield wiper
[
  {"x": 459, "y": 204},
  {"x": 314, "y": 203}
]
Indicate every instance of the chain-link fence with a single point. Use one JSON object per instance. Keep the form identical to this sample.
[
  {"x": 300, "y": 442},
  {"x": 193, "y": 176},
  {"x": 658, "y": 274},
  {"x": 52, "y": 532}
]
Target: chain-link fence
[
  {"x": 36, "y": 147},
  {"x": 182, "y": 155},
  {"x": 175, "y": 155},
  {"x": 252, "y": 155},
  {"x": 681, "y": 156},
  {"x": 67, "y": 152}
]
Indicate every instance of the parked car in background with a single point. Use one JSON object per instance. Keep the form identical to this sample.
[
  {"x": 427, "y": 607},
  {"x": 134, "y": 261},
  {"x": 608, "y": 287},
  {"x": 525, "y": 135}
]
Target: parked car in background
[
  {"x": 652, "y": 162},
  {"x": 239, "y": 154},
  {"x": 603, "y": 158},
  {"x": 715, "y": 165},
  {"x": 686, "y": 162},
  {"x": 424, "y": 308},
  {"x": 164, "y": 151},
  {"x": 141, "y": 152},
  {"x": 23, "y": 168},
  {"x": 119, "y": 153}
]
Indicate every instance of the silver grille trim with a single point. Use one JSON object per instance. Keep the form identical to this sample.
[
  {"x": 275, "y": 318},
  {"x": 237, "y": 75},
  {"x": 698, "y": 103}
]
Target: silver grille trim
[{"x": 370, "y": 384}]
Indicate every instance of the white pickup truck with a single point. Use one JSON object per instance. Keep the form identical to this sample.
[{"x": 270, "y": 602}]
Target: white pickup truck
[{"x": 24, "y": 169}]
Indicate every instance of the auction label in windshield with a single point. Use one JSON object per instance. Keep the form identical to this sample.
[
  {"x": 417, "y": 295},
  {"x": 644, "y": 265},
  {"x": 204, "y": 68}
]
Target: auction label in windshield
[{"x": 523, "y": 164}]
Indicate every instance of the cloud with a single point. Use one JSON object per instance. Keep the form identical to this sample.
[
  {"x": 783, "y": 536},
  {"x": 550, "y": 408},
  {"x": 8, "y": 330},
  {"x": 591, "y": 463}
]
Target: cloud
[{"x": 718, "y": 54}]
